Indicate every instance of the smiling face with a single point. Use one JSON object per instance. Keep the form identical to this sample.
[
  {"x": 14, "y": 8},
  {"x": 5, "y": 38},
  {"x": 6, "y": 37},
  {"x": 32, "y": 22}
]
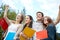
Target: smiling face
[
  {"x": 39, "y": 16},
  {"x": 27, "y": 20},
  {"x": 48, "y": 20},
  {"x": 19, "y": 17},
  {"x": 45, "y": 21}
]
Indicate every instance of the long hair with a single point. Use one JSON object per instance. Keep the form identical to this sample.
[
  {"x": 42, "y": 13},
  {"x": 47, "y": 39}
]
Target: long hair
[
  {"x": 22, "y": 17},
  {"x": 50, "y": 21},
  {"x": 30, "y": 25}
]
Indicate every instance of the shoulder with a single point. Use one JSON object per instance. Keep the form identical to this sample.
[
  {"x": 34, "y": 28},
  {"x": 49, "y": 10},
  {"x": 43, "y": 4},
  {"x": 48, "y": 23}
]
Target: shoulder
[
  {"x": 51, "y": 25},
  {"x": 21, "y": 24}
]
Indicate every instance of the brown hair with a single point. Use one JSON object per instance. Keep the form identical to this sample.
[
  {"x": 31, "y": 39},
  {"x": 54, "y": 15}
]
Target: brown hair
[
  {"x": 41, "y": 13},
  {"x": 50, "y": 21},
  {"x": 22, "y": 17},
  {"x": 30, "y": 25}
]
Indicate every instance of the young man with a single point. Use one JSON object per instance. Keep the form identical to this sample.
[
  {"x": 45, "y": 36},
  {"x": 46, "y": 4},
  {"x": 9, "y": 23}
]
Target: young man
[{"x": 38, "y": 25}]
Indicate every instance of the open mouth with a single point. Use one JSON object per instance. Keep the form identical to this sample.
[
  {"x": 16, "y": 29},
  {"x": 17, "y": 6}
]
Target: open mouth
[{"x": 17, "y": 18}]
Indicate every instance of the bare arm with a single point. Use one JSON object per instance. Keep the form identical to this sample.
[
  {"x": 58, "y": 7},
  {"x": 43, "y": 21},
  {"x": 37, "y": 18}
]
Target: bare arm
[
  {"x": 6, "y": 10},
  {"x": 19, "y": 30},
  {"x": 58, "y": 17},
  {"x": 5, "y": 14}
]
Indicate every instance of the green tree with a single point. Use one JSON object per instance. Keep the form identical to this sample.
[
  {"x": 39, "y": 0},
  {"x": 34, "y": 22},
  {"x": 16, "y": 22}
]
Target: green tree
[{"x": 11, "y": 15}]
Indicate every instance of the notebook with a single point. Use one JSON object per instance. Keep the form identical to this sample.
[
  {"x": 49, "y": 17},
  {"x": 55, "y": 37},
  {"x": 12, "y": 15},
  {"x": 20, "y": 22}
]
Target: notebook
[
  {"x": 42, "y": 34},
  {"x": 3, "y": 24},
  {"x": 10, "y": 36},
  {"x": 29, "y": 32},
  {"x": 22, "y": 38}
]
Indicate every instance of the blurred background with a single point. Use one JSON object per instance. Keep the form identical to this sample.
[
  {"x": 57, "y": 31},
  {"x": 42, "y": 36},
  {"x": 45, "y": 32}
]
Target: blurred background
[{"x": 30, "y": 7}]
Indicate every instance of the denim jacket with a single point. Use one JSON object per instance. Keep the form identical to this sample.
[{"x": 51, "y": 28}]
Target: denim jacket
[{"x": 51, "y": 32}]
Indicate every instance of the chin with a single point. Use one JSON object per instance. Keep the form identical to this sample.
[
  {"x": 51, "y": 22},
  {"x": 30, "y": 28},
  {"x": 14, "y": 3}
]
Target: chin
[
  {"x": 39, "y": 19},
  {"x": 26, "y": 23}
]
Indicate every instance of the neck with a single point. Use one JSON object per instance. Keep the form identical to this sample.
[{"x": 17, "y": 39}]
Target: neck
[
  {"x": 16, "y": 22},
  {"x": 39, "y": 20},
  {"x": 28, "y": 24}
]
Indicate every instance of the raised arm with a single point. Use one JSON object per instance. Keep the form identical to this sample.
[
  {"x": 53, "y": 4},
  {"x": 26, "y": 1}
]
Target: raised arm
[
  {"x": 58, "y": 17},
  {"x": 6, "y": 10},
  {"x": 5, "y": 14}
]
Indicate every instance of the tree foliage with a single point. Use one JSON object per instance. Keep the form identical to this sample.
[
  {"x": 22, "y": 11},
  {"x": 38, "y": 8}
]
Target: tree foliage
[{"x": 10, "y": 14}]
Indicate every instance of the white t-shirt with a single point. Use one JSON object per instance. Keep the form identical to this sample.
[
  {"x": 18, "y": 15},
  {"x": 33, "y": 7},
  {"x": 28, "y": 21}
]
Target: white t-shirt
[
  {"x": 13, "y": 27},
  {"x": 38, "y": 26}
]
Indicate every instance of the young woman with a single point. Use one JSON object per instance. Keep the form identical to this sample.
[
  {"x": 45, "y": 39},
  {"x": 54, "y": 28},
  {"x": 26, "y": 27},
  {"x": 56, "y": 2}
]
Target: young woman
[
  {"x": 28, "y": 23},
  {"x": 13, "y": 27},
  {"x": 50, "y": 27}
]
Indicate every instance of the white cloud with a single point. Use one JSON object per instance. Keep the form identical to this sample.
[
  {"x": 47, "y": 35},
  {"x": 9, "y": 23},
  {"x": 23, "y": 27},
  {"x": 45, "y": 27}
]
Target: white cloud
[
  {"x": 46, "y": 6},
  {"x": 28, "y": 6},
  {"x": 10, "y": 3},
  {"x": 49, "y": 7}
]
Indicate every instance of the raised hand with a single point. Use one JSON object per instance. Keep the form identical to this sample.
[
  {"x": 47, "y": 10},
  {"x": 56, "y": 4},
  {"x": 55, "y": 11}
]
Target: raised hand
[
  {"x": 6, "y": 10},
  {"x": 6, "y": 7}
]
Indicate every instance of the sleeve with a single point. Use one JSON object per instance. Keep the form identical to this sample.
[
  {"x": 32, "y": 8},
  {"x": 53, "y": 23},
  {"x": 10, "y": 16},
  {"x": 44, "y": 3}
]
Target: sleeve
[{"x": 51, "y": 32}]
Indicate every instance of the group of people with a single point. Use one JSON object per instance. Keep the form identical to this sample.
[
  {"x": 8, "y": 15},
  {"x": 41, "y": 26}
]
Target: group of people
[{"x": 43, "y": 22}]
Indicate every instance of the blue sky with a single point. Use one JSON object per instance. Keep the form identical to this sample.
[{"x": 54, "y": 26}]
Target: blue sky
[
  {"x": 48, "y": 7},
  {"x": 0, "y": 2}
]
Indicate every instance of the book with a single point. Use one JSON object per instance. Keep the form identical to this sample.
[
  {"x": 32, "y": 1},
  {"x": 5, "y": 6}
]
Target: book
[
  {"x": 29, "y": 32},
  {"x": 10, "y": 36},
  {"x": 22, "y": 38},
  {"x": 42, "y": 34},
  {"x": 3, "y": 24}
]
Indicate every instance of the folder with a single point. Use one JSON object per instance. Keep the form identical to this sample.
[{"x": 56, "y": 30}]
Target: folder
[
  {"x": 42, "y": 34},
  {"x": 10, "y": 36},
  {"x": 3, "y": 24},
  {"x": 22, "y": 38},
  {"x": 29, "y": 32}
]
